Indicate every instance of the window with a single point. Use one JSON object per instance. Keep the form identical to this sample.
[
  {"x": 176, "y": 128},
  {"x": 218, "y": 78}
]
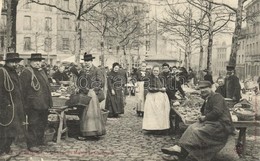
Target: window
[
  {"x": 48, "y": 8},
  {"x": 27, "y": 23},
  {"x": 27, "y": 44},
  {"x": 66, "y": 23},
  {"x": 48, "y": 24},
  {"x": 47, "y": 44},
  {"x": 2, "y": 41},
  {"x": 26, "y": 4},
  {"x": 65, "y": 43},
  {"x": 147, "y": 45},
  {"x": 66, "y": 4}
]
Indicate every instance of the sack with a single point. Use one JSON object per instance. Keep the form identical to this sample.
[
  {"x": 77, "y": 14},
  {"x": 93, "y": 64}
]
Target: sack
[
  {"x": 100, "y": 95},
  {"x": 79, "y": 99}
]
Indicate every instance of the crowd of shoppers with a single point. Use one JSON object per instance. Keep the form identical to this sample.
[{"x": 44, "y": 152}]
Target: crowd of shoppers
[{"x": 26, "y": 98}]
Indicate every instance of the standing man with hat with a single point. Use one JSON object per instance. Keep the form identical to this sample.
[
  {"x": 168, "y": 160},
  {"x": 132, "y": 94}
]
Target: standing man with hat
[
  {"x": 11, "y": 104},
  {"x": 204, "y": 139},
  {"x": 232, "y": 84},
  {"x": 37, "y": 99},
  {"x": 90, "y": 82}
]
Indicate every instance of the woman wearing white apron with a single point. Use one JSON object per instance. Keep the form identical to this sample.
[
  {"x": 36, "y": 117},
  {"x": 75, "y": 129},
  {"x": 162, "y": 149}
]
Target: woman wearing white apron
[{"x": 157, "y": 106}]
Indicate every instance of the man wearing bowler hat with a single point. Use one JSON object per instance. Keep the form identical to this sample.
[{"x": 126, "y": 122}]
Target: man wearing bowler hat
[
  {"x": 11, "y": 105},
  {"x": 90, "y": 82},
  {"x": 37, "y": 99},
  {"x": 232, "y": 84},
  {"x": 204, "y": 139}
]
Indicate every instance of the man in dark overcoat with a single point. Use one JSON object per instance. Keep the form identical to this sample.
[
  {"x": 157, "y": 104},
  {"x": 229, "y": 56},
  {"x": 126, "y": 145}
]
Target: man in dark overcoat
[
  {"x": 37, "y": 98},
  {"x": 11, "y": 105},
  {"x": 172, "y": 83},
  {"x": 91, "y": 82},
  {"x": 205, "y": 138},
  {"x": 232, "y": 85}
]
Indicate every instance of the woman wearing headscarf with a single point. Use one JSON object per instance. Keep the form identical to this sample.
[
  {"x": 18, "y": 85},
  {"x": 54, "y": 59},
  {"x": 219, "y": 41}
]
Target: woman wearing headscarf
[
  {"x": 156, "y": 106},
  {"x": 115, "y": 99}
]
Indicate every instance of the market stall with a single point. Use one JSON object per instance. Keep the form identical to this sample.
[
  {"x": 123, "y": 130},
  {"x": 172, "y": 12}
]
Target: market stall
[{"x": 243, "y": 116}]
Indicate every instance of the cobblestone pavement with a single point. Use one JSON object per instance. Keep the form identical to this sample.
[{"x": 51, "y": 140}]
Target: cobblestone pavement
[{"x": 124, "y": 141}]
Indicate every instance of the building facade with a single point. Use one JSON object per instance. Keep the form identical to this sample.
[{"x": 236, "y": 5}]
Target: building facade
[{"x": 252, "y": 40}]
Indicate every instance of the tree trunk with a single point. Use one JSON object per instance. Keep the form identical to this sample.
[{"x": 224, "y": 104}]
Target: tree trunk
[
  {"x": 78, "y": 42},
  {"x": 210, "y": 38},
  {"x": 11, "y": 25},
  {"x": 201, "y": 53},
  {"x": 236, "y": 34}
]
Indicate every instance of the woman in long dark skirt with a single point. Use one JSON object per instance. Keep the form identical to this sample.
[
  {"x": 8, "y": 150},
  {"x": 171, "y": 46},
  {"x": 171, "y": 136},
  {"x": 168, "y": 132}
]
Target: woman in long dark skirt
[{"x": 114, "y": 99}]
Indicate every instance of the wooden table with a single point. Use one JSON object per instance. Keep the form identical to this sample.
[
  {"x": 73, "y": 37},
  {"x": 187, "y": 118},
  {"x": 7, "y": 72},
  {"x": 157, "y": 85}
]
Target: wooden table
[
  {"x": 240, "y": 125},
  {"x": 60, "y": 112}
]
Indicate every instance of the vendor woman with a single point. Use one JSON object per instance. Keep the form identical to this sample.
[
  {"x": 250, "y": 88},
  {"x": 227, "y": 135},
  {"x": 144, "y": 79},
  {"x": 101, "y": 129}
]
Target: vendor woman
[{"x": 156, "y": 107}]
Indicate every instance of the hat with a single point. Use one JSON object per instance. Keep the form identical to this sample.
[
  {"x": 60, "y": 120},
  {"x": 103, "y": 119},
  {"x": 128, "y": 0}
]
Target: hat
[
  {"x": 12, "y": 57},
  {"x": 115, "y": 64},
  {"x": 230, "y": 67},
  {"x": 88, "y": 57},
  {"x": 36, "y": 56},
  {"x": 204, "y": 84}
]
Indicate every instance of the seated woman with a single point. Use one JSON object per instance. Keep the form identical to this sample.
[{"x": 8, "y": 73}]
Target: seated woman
[
  {"x": 114, "y": 99},
  {"x": 156, "y": 106}
]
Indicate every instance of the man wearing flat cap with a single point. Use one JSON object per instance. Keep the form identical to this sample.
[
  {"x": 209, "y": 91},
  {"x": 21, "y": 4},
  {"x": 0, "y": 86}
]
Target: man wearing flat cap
[
  {"x": 204, "y": 139},
  {"x": 90, "y": 82},
  {"x": 11, "y": 105},
  {"x": 232, "y": 85},
  {"x": 37, "y": 98}
]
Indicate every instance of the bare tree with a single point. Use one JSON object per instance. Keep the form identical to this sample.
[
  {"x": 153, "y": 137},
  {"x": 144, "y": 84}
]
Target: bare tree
[
  {"x": 238, "y": 26},
  {"x": 11, "y": 25},
  {"x": 122, "y": 22},
  {"x": 82, "y": 7},
  {"x": 182, "y": 22}
]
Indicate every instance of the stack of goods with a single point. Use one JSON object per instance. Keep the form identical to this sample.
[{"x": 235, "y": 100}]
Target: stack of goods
[
  {"x": 190, "y": 109},
  {"x": 244, "y": 111}
]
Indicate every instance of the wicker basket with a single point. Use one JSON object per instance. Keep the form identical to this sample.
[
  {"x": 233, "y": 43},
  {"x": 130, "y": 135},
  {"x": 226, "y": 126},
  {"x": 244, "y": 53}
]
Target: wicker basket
[
  {"x": 49, "y": 134},
  {"x": 58, "y": 102},
  {"x": 104, "y": 115},
  {"x": 245, "y": 116}
]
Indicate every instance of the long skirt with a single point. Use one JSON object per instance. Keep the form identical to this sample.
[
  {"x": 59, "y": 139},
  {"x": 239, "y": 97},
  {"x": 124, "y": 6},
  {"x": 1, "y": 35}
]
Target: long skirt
[
  {"x": 91, "y": 123},
  {"x": 204, "y": 140},
  {"x": 156, "y": 112},
  {"x": 141, "y": 95},
  {"x": 115, "y": 103}
]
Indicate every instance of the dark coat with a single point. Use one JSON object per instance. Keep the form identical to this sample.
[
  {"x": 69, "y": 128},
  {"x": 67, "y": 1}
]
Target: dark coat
[
  {"x": 215, "y": 109},
  {"x": 37, "y": 99},
  {"x": 6, "y": 103},
  {"x": 93, "y": 79},
  {"x": 233, "y": 87},
  {"x": 172, "y": 85},
  {"x": 145, "y": 78},
  {"x": 58, "y": 76},
  {"x": 115, "y": 103},
  {"x": 221, "y": 90},
  {"x": 208, "y": 77}
]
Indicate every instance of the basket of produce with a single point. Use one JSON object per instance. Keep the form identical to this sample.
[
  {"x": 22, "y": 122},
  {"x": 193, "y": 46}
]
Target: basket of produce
[{"x": 244, "y": 114}]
